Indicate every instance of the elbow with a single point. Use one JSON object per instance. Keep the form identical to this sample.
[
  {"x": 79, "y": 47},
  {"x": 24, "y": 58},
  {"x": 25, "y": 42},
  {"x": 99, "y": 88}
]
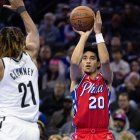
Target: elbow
[
  {"x": 105, "y": 61},
  {"x": 36, "y": 33},
  {"x": 75, "y": 61}
]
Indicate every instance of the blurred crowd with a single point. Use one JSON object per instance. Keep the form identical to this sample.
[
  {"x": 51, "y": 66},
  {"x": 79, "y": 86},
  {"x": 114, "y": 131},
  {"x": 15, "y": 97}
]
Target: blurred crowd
[{"x": 121, "y": 30}]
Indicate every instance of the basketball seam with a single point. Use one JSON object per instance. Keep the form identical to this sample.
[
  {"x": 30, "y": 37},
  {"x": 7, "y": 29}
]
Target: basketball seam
[
  {"x": 82, "y": 9},
  {"x": 80, "y": 18}
]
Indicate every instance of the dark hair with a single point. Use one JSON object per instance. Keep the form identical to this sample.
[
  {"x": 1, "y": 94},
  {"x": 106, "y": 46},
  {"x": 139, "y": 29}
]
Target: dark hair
[
  {"x": 124, "y": 94},
  {"x": 92, "y": 48},
  {"x": 12, "y": 42}
]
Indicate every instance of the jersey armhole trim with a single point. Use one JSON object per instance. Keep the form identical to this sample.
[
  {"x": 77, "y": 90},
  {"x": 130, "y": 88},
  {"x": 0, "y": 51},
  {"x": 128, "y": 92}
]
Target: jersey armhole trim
[
  {"x": 80, "y": 82},
  {"x": 31, "y": 59},
  {"x": 3, "y": 63}
]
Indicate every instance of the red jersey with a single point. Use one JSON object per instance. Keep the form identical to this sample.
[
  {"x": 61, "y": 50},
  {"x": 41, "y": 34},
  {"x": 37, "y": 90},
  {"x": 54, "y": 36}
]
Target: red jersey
[{"x": 91, "y": 103}]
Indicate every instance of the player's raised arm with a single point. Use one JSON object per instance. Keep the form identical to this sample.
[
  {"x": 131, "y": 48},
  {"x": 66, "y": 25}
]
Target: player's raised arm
[
  {"x": 102, "y": 50},
  {"x": 32, "y": 39},
  {"x": 77, "y": 56}
]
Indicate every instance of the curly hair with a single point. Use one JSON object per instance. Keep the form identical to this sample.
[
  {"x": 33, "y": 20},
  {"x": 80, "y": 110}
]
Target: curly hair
[{"x": 12, "y": 42}]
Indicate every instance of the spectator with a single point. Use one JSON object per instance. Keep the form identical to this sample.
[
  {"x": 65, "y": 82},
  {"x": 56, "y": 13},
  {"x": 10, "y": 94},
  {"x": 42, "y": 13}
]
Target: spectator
[
  {"x": 48, "y": 30},
  {"x": 69, "y": 34},
  {"x": 54, "y": 101},
  {"x": 131, "y": 52},
  {"x": 55, "y": 137},
  {"x": 62, "y": 115},
  {"x": 43, "y": 62},
  {"x": 126, "y": 135},
  {"x": 129, "y": 16},
  {"x": 133, "y": 86},
  {"x": 135, "y": 67},
  {"x": 115, "y": 43},
  {"x": 52, "y": 74},
  {"x": 120, "y": 67},
  {"x": 114, "y": 28},
  {"x": 120, "y": 123},
  {"x": 42, "y": 126},
  {"x": 66, "y": 63},
  {"x": 45, "y": 54},
  {"x": 133, "y": 114},
  {"x": 66, "y": 137},
  {"x": 67, "y": 128},
  {"x": 42, "y": 41}
]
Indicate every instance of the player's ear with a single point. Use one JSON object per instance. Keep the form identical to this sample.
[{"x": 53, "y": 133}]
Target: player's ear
[{"x": 98, "y": 65}]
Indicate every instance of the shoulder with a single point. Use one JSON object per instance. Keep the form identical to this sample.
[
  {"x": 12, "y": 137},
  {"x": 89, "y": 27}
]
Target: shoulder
[
  {"x": 76, "y": 83},
  {"x": 124, "y": 63},
  {"x": 109, "y": 85},
  {"x": 29, "y": 55}
]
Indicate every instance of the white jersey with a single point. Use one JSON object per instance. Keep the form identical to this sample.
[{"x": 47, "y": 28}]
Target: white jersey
[{"x": 19, "y": 89}]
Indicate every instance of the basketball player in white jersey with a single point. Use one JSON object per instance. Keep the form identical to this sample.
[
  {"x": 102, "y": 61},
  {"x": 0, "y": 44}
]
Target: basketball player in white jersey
[{"x": 19, "y": 100}]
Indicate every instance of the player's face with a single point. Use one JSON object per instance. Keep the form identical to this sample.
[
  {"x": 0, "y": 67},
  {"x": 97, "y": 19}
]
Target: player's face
[{"x": 89, "y": 62}]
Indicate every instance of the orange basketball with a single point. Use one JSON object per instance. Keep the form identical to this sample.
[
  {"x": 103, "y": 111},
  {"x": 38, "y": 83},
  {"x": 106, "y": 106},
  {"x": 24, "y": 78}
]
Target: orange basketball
[{"x": 82, "y": 18}]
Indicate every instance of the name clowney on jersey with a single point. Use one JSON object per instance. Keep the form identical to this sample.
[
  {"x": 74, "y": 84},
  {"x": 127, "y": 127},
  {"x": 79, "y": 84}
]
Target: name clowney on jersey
[
  {"x": 19, "y": 89},
  {"x": 91, "y": 103}
]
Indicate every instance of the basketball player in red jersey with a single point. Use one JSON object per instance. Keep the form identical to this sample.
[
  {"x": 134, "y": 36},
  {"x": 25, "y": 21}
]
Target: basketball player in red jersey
[{"x": 91, "y": 95}]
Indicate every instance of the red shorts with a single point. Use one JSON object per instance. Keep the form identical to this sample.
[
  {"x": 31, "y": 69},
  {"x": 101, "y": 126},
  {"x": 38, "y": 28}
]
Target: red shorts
[{"x": 92, "y": 134}]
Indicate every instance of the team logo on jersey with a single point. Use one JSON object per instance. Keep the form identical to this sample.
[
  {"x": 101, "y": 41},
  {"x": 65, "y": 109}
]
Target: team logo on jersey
[{"x": 91, "y": 88}]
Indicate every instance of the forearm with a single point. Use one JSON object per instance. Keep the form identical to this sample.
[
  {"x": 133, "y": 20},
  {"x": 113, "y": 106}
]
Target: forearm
[
  {"x": 28, "y": 23},
  {"x": 32, "y": 39},
  {"x": 102, "y": 51},
  {"x": 78, "y": 51},
  {"x": 104, "y": 60}
]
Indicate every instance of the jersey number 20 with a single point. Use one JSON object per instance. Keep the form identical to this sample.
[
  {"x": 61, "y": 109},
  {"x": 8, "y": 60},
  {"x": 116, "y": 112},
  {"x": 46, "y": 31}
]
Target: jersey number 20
[
  {"x": 96, "y": 103},
  {"x": 23, "y": 88}
]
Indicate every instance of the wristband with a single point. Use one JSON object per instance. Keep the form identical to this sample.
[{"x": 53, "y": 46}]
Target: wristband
[
  {"x": 99, "y": 38},
  {"x": 20, "y": 9}
]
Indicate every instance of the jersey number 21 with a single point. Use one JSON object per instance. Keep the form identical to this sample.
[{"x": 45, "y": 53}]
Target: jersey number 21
[{"x": 23, "y": 88}]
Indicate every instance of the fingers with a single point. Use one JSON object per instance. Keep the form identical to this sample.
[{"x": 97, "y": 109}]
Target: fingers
[
  {"x": 74, "y": 30},
  {"x": 98, "y": 17},
  {"x": 79, "y": 32}
]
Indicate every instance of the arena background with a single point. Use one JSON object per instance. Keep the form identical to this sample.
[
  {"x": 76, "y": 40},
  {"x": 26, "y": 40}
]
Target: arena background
[{"x": 121, "y": 30}]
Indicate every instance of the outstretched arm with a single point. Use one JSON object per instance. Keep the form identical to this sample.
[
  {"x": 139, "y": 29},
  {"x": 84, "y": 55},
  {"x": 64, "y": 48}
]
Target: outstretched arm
[
  {"x": 75, "y": 71},
  {"x": 32, "y": 39},
  {"x": 102, "y": 50}
]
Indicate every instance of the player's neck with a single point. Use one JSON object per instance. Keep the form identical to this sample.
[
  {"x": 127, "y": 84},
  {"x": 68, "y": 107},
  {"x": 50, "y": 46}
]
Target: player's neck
[
  {"x": 93, "y": 75},
  {"x": 19, "y": 56}
]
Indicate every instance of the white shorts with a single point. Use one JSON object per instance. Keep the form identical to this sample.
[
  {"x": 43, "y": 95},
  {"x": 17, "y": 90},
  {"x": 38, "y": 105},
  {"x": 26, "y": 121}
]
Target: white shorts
[{"x": 15, "y": 129}]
